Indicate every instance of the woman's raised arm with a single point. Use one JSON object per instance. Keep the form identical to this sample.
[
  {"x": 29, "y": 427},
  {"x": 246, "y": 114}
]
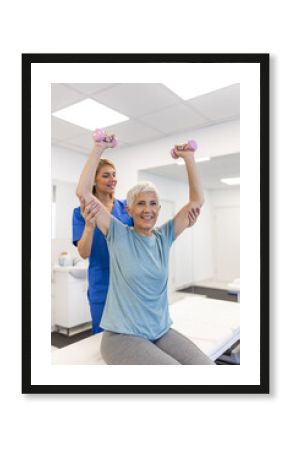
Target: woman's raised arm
[{"x": 196, "y": 197}]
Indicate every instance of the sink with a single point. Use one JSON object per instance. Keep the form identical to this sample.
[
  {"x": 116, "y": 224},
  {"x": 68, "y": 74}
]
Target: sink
[
  {"x": 78, "y": 272},
  {"x": 75, "y": 271}
]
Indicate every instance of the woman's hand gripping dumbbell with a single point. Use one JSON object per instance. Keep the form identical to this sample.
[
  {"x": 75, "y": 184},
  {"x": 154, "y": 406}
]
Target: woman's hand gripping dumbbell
[
  {"x": 109, "y": 140},
  {"x": 190, "y": 146}
]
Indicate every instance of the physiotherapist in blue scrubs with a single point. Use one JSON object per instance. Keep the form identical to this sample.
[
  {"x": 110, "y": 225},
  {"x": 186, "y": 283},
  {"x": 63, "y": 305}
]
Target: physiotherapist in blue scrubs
[{"x": 92, "y": 244}]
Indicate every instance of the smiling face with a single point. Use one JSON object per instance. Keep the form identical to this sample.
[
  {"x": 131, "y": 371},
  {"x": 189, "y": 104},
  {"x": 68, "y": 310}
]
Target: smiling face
[
  {"x": 145, "y": 211},
  {"x": 106, "y": 180}
]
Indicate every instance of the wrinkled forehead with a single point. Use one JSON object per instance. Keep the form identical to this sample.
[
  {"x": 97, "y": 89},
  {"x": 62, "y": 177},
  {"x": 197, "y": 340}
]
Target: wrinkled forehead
[{"x": 147, "y": 196}]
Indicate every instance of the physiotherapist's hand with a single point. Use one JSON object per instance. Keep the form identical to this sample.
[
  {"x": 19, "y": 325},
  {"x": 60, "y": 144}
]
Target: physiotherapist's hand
[
  {"x": 103, "y": 145},
  {"x": 193, "y": 216},
  {"x": 89, "y": 212}
]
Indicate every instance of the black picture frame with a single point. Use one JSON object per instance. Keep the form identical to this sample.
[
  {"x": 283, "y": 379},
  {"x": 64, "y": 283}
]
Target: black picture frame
[{"x": 263, "y": 61}]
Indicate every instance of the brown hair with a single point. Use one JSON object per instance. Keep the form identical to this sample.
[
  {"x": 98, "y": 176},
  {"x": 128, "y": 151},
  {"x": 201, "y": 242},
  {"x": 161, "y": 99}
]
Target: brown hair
[{"x": 103, "y": 162}]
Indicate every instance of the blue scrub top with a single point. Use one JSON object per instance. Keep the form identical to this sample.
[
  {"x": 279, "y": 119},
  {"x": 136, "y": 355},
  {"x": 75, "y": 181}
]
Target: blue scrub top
[{"x": 98, "y": 273}]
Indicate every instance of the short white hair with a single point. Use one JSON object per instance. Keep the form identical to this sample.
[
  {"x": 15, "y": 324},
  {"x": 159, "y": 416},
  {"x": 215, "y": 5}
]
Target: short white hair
[{"x": 144, "y": 186}]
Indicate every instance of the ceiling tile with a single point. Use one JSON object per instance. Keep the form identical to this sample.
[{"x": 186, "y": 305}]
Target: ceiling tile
[
  {"x": 62, "y": 96},
  {"x": 174, "y": 119},
  {"x": 70, "y": 146},
  {"x": 133, "y": 132},
  {"x": 84, "y": 141},
  {"x": 219, "y": 105},
  {"x": 61, "y": 130},
  {"x": 137, "y": 99},
  {"x": 90, "y": 88}
]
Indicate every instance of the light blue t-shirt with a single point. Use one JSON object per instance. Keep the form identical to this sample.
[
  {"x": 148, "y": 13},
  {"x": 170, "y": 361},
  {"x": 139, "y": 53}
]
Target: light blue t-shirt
[{"x": 137, "y": 301}]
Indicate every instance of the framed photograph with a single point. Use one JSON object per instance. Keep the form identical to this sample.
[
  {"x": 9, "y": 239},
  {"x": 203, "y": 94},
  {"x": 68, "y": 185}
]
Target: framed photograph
[{"x": 214, "y": 305}]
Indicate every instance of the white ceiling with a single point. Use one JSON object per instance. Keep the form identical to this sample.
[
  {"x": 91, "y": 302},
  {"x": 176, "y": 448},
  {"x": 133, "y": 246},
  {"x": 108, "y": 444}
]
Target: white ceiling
[{"x": 155, "y": 112}]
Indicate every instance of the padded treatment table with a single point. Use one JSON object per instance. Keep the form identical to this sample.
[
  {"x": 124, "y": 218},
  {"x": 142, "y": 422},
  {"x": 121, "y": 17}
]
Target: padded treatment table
[{"x": 213, "y": 325}]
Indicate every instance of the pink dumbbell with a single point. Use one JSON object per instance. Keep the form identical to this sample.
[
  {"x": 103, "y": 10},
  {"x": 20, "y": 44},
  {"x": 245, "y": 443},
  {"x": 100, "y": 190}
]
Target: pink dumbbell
[
  {"x": 100, "y": 136},
  {"x": 191, "y": 145}
]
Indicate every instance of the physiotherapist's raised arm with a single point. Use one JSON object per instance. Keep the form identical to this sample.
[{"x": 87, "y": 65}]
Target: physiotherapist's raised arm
[{"x": 89, "y": 202}]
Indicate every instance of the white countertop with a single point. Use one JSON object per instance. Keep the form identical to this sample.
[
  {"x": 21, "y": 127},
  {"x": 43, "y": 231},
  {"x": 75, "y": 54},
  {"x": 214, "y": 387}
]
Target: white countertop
[{"x": 59, "y": 268}]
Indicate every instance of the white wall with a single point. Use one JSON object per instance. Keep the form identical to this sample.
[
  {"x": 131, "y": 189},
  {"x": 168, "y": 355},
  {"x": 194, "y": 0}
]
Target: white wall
[
  {"x": 65, "y": 201},
  {"x": 226, "y": 233},
  {"x": 203, "y": 256},
  {"x": 225, "y": 197},
  {"x": 66, "y": 165}
]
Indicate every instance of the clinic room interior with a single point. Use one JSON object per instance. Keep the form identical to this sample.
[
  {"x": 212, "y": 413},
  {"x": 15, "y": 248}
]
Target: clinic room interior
[{"x": 148, "y": 120}]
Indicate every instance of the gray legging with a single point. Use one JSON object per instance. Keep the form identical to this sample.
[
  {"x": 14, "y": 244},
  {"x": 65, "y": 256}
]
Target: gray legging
[{"x": 171, "y": 348}]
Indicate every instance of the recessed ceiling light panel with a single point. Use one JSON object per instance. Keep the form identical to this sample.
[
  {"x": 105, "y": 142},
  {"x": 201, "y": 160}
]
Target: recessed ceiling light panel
[
  {"x": 206, "y": 78},
  {"x": 90, "y": 114}
]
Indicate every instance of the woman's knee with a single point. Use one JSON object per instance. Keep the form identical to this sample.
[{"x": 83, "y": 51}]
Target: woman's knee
[{"x": 183, "y": 349}]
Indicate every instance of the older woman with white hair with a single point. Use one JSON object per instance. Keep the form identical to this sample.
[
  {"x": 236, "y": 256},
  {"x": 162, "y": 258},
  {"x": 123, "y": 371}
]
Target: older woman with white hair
[{"x": 136, "y": 320}]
